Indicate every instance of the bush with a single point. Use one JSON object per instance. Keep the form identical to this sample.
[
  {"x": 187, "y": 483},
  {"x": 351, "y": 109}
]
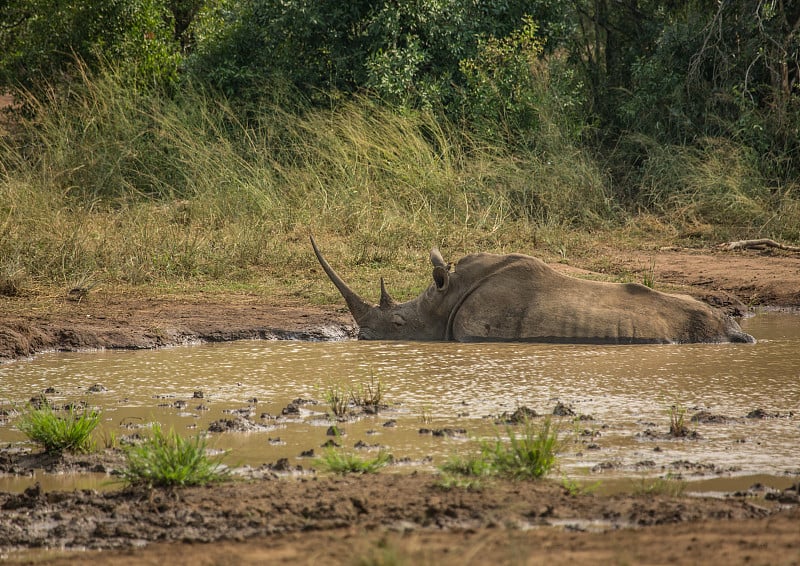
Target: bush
[
  {"x": 407, "y": 52},
  {"x": 68, "y": 430},
  {"x": 40, "y": 41}
]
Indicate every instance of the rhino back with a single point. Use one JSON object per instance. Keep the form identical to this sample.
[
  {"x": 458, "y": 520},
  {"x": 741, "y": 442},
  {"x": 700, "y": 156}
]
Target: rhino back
[{"x": 522, "y": 300}]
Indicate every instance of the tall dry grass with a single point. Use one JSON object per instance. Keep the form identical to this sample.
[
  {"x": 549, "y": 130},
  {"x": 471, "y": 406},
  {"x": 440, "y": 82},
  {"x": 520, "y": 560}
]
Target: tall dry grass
[
  {"x": 117, "y": 185},
  {"x": 141, "y": 188}
]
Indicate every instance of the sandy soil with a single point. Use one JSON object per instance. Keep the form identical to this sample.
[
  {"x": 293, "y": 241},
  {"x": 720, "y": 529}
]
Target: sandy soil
[{"x": 387, "y": 518}]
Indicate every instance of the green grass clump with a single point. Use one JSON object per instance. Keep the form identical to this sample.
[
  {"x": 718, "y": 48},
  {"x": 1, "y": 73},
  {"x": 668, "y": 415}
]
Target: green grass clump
[
  {"x": 69, "y": 430},
  {"x": 342, "y": 462},
  {"x": 167, "y": 460},
  {"x": 530, "y": 455}
]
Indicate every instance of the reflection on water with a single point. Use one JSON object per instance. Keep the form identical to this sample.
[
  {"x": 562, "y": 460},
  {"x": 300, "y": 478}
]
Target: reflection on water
[{"x": 625, "y": 390}]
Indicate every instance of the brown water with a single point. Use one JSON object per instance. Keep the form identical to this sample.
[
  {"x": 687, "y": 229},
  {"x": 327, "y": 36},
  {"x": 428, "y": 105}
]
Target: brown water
[{"x": 626, "y": 390}]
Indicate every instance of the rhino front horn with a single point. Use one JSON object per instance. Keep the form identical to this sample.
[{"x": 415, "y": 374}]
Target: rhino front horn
[{"x": 358, "y": 306}]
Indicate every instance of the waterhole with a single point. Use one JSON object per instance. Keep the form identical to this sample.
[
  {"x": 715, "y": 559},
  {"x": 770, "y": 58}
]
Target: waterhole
[{"x": 740, "y": 402}]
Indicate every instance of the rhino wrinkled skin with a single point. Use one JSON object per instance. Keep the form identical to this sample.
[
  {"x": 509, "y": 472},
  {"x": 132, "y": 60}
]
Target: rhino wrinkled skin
[{"x": 518, "y": 298}]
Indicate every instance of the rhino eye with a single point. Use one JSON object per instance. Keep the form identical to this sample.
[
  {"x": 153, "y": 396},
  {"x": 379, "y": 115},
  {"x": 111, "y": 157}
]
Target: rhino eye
[{"x": 398, "y": 320}]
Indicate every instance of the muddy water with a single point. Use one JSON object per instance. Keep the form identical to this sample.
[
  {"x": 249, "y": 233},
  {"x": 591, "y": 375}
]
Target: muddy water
[{"x": 620, "y": 396}]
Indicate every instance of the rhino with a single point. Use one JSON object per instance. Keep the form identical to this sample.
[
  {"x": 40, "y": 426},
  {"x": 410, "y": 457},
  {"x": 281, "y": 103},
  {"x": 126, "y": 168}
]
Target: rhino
[{"x": 519, "y": 298}]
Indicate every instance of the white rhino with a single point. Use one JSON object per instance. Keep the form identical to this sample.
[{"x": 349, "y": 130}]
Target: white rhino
[{"x": 518, "y": 298}]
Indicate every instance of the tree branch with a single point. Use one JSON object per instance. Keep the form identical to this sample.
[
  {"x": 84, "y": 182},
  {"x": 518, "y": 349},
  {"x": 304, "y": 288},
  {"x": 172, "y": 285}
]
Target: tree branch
[{"x": 759, "y": 244}]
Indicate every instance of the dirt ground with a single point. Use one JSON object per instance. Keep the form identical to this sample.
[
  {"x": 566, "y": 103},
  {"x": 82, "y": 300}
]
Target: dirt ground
[{"x": 386, "y": 518}]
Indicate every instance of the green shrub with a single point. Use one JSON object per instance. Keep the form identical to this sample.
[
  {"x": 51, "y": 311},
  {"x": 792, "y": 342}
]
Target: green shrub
[
  {"x": 40, "y": 41},
  {"x": 501, "y": 98},
  {"x": 67, "y": 430},
  {"x": 166, "y": 460}
]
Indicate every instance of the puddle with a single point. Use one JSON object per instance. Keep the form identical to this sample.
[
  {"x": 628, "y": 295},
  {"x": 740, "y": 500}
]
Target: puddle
[{"x": 620, "y": 397}]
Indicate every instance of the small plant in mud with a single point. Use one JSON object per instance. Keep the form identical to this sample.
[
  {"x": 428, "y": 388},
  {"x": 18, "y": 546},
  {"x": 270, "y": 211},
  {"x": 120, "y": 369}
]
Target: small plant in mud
[
  {"x": 66, "y": 430},
  {"x": 669, "y": 486},
  {"x": 649, "y": 275},
  {"x": 677, "y": 422},
  {"x": 464, "y": 472},
  {"x": 575, "y": 488},
  {"x": 474, "y": 465},
  {"x": 368, "y": 396},
  {"x": 343, "y": 462},
  {"x": 530, "y": 455},
  {"x": 426, "y": 416},
  {"x": 166, "y": 460},
  {"x": 338, "y": 400},
  {"x": 109, "y": 439}
]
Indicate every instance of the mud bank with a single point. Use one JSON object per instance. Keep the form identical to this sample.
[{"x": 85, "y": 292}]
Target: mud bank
[{"x": 733, "y": 281}]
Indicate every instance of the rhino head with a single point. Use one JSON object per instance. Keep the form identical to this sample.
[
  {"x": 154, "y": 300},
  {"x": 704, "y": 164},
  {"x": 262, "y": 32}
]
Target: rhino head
[{"x": 423, "y": 318}]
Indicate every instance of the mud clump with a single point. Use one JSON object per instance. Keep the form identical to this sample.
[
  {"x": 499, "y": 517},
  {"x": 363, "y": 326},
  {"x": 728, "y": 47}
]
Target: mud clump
[
  {"x": 707, "y": 417},
  {"x": 239, "y": 424},
  {"x": 762, "y": 414},
  {"x": 293, "y": 408},
  {"x": 790, "y": 495},
  {"x": 519, "y": 416},
  {"x": 449, "y": 432},
  {"x": 563, "y": 410}
]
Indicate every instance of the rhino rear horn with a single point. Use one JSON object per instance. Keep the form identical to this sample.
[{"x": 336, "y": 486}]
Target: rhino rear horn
[
  {"x": 358, "y": 306},
  {"x": 387, "y": 301}
]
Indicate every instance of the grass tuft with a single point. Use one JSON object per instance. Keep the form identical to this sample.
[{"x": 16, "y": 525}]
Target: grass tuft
[
  {"x": 530, "y": 455},
  {"x": 69, "y": 430},
  {"x": 337, "y": 461},
  {"x": 669, "y": 486},
  {"x": 368, "y": 396},
  {"x": 677, "y": 422},
  {"x": 168, "y": 460},
  {"x": 12, "y": 279},
  {"x": 338, "y": 400}
]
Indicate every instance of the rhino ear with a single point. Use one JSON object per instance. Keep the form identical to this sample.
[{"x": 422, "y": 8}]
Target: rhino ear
[
  {"x": 436, "y": 258},
  {"x": 441, "y": 277}
]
